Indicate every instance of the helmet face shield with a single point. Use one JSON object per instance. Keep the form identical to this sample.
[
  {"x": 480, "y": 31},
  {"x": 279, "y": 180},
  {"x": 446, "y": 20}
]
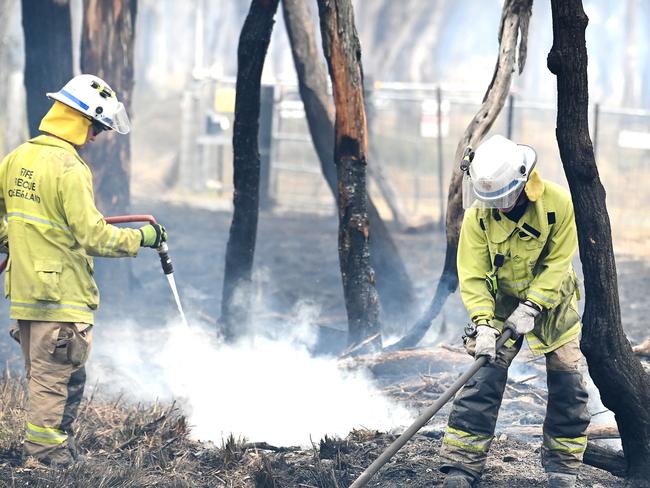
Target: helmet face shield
[
  {"x": 120, "y": 121},
  {"x": 503, "y": 198}
]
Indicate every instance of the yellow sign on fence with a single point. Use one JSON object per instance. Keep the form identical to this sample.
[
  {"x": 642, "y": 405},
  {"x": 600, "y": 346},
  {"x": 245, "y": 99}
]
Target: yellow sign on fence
[{"x": 224, "y": 100}]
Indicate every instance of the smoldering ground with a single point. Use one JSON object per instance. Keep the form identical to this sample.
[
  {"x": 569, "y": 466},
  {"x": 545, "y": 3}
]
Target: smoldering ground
[{"x": 265, "y": 387}]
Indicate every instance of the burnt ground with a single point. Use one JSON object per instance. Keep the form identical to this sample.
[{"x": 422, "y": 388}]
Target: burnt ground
[
  {"x": 296, "y": 260},
  {"x": 132, "y": 446}
]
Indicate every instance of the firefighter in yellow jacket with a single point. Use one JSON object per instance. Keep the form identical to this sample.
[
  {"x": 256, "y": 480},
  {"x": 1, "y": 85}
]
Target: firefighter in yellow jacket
[
  {"x": 53, "y": 228},
  {"x": 517, "y": 242}
]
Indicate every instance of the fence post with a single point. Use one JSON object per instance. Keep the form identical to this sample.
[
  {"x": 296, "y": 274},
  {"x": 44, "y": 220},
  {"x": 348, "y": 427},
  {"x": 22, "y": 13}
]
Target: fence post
[
  {"x": 191, "y": 129},
  {"x": 265, "y": 141},
  {"x": 441, "y": 222}
]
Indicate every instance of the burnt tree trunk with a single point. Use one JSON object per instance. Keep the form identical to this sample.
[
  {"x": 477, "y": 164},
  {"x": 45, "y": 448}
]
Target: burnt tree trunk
[
  {"x": 513, "y": 31},
  {"x": 393, "y": 283},
  {"x": 623, "y": 384},
  {"x": 254, "y": 41},
  {"x": 107, "y": 43},
  {"x": 48, "y": 54},
  {"x": 343, "y": 53}
]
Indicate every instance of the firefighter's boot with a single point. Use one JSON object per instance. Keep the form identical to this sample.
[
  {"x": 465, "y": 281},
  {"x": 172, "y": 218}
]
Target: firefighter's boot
[
  {"x": 457, "y": 478},
  {"x": 561, "y": 480}
]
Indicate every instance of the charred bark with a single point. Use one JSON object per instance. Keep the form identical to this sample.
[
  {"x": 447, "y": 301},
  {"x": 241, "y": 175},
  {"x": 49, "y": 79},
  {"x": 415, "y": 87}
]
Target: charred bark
[
  {"x": 513, "y": 34},
  {"x": 107, "y": 43},
  {"x": 393, "y": 284},
  {"x": 343, "y": 54},
  {"x": 623, "y": 383},
  {"x": 253, "y": 45},
  {"x": 48, "y": 54},
  {"x": 107, "y": 51}
]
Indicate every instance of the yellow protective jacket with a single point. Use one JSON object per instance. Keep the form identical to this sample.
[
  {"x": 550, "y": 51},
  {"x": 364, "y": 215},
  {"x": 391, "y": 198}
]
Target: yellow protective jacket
[
  {"x": 46, "y": 195},
  {"x": 536, "y": 265}
]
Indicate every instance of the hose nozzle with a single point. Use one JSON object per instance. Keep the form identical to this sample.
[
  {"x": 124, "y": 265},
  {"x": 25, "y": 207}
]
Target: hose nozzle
[{"x": 165, "y": 260}]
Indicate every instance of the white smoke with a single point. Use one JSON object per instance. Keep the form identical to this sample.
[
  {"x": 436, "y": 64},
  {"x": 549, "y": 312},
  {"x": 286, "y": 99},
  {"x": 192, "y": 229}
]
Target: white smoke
[{"x": 265, "y": 388}]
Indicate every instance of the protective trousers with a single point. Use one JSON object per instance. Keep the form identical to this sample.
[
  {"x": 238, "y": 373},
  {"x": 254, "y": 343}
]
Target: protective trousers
[
  {"x": 55, "y": 354},
  {"x": 471, "y": 424}
]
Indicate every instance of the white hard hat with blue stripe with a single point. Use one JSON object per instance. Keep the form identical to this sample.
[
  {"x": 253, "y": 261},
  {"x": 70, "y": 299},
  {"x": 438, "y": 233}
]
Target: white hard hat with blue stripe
[
  {"x": 94, "y": 98},
  {"x": 498, "y": 173}
]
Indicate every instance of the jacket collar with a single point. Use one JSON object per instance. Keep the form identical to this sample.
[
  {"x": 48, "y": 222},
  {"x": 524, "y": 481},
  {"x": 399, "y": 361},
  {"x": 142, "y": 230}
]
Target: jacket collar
[{"x": 48, "y": 140}]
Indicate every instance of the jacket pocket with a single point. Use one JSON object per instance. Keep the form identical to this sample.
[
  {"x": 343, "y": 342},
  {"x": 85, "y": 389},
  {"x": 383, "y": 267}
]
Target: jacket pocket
[{"x": 48, "y": 275}]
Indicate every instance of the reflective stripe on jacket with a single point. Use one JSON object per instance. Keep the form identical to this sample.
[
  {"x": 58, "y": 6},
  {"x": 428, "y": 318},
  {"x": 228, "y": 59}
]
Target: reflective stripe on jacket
[
  {"x": 46, "y": 195},
  {"x": 537, "y": 252}
]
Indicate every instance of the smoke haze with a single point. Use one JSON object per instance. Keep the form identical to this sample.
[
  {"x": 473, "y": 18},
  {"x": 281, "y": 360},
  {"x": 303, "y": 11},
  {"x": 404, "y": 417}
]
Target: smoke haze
[{"x": 263, "y": 388}]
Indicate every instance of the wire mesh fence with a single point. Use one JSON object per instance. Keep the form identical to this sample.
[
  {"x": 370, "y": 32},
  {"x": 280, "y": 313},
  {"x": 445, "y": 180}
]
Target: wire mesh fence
[{"x": 413, "y": 133}]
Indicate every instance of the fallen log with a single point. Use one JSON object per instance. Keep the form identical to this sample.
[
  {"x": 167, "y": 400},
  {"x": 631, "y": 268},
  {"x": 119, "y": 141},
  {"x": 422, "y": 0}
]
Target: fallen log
[
  {"x": 594, "y": 431},
  {"x": 603, "y": 431},
  {"x": 412, "y": 362},
  {"x": 606, "y": 459},
  {"x": 597, "y": 456},
  {"x": 408, "y": 362}
]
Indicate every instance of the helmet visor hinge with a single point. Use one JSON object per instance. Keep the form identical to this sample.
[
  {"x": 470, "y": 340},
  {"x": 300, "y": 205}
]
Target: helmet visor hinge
[{"x": 468, "y": 157}]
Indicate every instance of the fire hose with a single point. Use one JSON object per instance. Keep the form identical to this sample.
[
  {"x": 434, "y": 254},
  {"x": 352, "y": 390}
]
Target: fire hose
[
  {"x": 425, "y": 416},
  {"x": 163, "y": 250}
]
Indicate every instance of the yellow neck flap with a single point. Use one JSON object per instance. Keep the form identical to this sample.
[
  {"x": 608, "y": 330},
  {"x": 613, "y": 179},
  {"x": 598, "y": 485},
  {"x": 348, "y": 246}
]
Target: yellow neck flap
[{"x": 66, "y": 123}]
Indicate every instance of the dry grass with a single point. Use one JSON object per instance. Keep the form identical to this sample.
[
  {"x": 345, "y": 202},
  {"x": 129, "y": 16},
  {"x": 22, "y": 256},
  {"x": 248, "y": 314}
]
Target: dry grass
[
  {"x": 134, "y": 445},
  {"x": 124, "y": 445}
]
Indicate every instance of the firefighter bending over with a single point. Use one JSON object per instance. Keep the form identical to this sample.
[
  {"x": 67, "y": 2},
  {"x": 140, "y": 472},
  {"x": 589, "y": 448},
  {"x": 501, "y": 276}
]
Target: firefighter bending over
[
  {"x": 514, "y": 264},
  {"x": 53, "y": 228}
]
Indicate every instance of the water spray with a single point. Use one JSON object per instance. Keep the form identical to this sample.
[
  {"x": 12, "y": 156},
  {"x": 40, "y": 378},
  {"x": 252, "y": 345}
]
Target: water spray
[{"x": 163, "y": 253}]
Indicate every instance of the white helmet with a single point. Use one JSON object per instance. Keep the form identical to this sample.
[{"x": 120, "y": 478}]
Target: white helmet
[
  {"x": 93, "y": 97},
  {"x": 498, "y": 173}
]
